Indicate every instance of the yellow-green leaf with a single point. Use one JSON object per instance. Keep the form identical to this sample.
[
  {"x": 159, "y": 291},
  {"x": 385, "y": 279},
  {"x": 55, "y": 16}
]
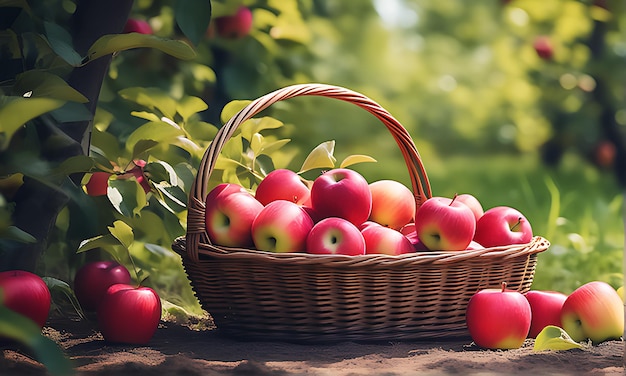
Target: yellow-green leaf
[
  {"x": 356, "y": 158},
  {"x": 17, "y": 111},
  {"x": 231, "y": 108},
  {"x": 122, "y": 232},
  {"x": 108, "y": 44},
  {"x": 322, "y": 156},
  {"x": 554, "y": 338}
]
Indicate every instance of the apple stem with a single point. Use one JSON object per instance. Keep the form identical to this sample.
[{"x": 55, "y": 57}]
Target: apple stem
[
  {"x": 503, "y": 286},
  {"x": 453, "y": 198},
  {"x": 519, "y": 221}
]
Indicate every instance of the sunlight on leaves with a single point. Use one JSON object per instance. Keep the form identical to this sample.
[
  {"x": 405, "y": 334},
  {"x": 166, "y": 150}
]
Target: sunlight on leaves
[
  {"x": 354, "y": 159},
  {"x": 17, "y": 111},
  {"x": 554, "y": 338},
  {"x": 231, "y": 108},
  {"x": 100, "y": 241},
  {"x": 322, "y": 156},
  {"x": 126, "y": 196},
  {"x": 189, "y": 106},
  {"x": 151, "y": 98},
  {"x": 108, "y": 44},
  {"x": 122, "y": 232}
]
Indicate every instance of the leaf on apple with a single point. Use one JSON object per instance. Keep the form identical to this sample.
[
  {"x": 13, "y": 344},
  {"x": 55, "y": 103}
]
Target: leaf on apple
[
  {"x": 554, "y": 338},
  {"x": 356, "y": 158}
]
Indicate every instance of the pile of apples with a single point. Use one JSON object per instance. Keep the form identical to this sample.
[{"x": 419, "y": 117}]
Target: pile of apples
[
  {"x": 503, "y": 319},
  {"x": 125, "y": 313},
  {"x": 341, "y": 213}
]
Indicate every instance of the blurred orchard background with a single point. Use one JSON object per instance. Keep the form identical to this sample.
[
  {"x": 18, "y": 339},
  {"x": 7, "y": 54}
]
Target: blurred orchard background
[{"x": 520, "y": 103}]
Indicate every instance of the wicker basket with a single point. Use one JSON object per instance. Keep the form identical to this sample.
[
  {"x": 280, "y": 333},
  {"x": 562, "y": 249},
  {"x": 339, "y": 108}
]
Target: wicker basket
[{"x": 300, "y": 297}]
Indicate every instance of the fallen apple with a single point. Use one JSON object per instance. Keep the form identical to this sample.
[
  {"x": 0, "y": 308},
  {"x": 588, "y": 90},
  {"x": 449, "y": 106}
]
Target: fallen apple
[
  {"x": 94, "y": 278},
  {"x": 27, "y": 294},
  {"x": 546, "y": 309}
]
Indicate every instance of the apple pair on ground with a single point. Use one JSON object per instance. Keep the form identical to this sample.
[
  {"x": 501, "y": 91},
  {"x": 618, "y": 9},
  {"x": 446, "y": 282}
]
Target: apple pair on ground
[{"x": 503, "y": 319}]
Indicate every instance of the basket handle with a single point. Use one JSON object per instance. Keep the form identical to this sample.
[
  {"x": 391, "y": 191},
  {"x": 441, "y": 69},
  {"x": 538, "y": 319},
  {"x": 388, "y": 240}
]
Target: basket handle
[{"x": 196, "y": 231}]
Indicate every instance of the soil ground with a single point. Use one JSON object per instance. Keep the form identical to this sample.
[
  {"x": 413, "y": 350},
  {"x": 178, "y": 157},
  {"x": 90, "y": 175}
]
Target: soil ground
[{"x": 186, "y": 350}]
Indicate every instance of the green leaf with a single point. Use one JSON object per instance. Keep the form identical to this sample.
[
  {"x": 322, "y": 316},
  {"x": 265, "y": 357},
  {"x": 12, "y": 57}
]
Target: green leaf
[
  {"x": 155, "y": 131},
  {"x": 193, "y": 17},
  {"x": 109, "y": 44},
  {"x": 143, "y": 146},
  {"x": 145, "y": 115},
  {"x": 100, "y": 241},
  {"x": 354, "y": 159},
  {"x": 127, "y": 196},
  {"x": 71, "y": 112},
  {"x": 201, "y": 130},
  {"x": 160, "y": 171},
  {"x": 56, "y": 285},
  {"x": 17, "y": 111},
  {"x": 554, "y": 338},
  {"x": 190, "y": 105},
  {"x": 152, "y": 98},
  {"x": 17, "y": 234},
  {"x": 320, "y": 157},
  {"x": 172, "y": 198},
  {"x": 78, "y": 163},
  {"x": 21, "y": 329},
  {"x": 60, "y": 40},
  {"x": 122, "y": 232},
  {"x": 231, "y": 109},
  {"x": 253, "y": 126},
  {"x": 40, "y": 84}
]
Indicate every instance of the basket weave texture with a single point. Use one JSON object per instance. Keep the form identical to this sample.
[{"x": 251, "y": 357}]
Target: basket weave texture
[{"x": 300, "y": 297}]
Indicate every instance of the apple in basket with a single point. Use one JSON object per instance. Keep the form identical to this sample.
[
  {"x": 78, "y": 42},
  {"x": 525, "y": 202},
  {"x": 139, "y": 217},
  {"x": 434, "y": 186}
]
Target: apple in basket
[
  {"x": 498, "y": 318},
  {"x": 343, "y": 193},
  {"x": 384, "y": 240},
  {"x": 593, "y": 311},
  {"x": 503, "y": 225},
  {"x": 393, "y": 204},
  {"x": 473, "y": 203},
  {"x": 444, "y": 224},
  {"x": 282, "y": 184},
  {"x": 335, "y": 235},
  {"x": 281, "y": 226},
  {"x": 230, "y": 211},
  {"x": 546, "y": 309}
]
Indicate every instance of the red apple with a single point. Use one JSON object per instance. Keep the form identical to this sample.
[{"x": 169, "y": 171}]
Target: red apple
[
  {"x": 282, "y": 226},
  {"x": 137, "y": 26},
  {"x": 282, "y": 184},
  {"x": 137, "y": 172},
  {"x": 473, "y": 203},
  {"x": 593, "y": 311},
  {"x": 129, "y": 314},
  {"x": 503, "y": 225},
  {"x": 98, "y": 184},
  {"x": 235, "y": 26},
  {"x": 230, "y": 211},
  {"x": 94, "y": 278},
  {"x": 393, "y": 204},
  {"x": 335, "y": 235},
  {"x": 343, "y": 193},
  {"x": 498, "y": 318},
  {"x": 27, "y": 294},
  {"x": 546, "y": 309},
  {"x": 543, "y": 47},
  {"x": 443, "y": 224},
  {"x": 385, "y": 240}
]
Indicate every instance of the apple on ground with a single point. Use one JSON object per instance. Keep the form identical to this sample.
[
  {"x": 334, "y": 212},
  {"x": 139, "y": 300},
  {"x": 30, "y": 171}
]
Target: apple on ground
[
  {"x": 282, "y": 184},
  {"x": 98, "y": 184},
  {"x": 229, "y": 213},
  {"x": 94, "y": 278},
  {"x": 444, "y": 224},
  {"x": 129, "y": 314},
  {"x": 234, "y": 26},
  {"x": 27, "y": 294},
  {"x": 281, "y": 226},
  {"x": 498, "y": 318},
  {"x": 335, "y": 235},
  {"x": 473, "y": 203},
  {"x": 593, "y": 311},
  {"x": 546, "y": 309},
  {"x": 137, "y": 26},
  {"x": 393, "y": 204},
  {"x": 503, "y": 225},
  {"x": 343, "y": 193},
  {"x": 385, "y": 240}
]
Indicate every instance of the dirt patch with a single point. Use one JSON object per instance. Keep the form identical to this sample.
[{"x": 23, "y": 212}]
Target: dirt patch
[{"x": 183, "y": 350}]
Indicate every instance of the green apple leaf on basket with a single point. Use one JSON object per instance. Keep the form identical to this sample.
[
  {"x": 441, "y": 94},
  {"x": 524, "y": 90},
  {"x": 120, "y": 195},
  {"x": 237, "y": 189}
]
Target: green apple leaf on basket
[{"x": 554, "y": 338}]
